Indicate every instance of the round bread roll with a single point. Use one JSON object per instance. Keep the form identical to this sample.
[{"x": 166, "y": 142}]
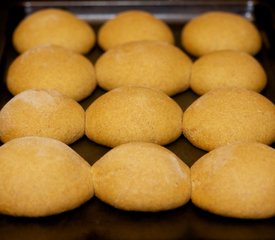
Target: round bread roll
[
  {"x": 42, "y": 176},
  {"x": 52, "y": 67},
  {"x": 227, "y": 68},
  {"x": 133, "y": 25},
  {"x": 140, "y": 176},
  {"x": 227, "y": 115},
  {"x": 129, "y": 114},
  {"x": 213, "y": 31},
  {"x": 53, "y": 26},
  {"x": 236, "y": 180},
  {"x": 145, "y": 63},
  {"x": 45, "y": 113}
]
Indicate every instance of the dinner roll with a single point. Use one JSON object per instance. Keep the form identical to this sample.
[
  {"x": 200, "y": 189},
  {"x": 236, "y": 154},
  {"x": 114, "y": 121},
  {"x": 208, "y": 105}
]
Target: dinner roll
[
  {"x": 227, "y": 68},
  {"x": 52, "y": 67},
  {"x": 45, "y": 113},
  {"x": 133, "y": 114},
  {"x": 140, "y": 176},
  {"x": 42, "y": 176},
  {"x": 53, "y": 26},
  {"x": 145, "y": 63},
  {"x": 217, "y": 30},
  {"x": 236, "y": 180},
  {"x": 133, "y": 25},
  {"x": 227, "y": 115}
]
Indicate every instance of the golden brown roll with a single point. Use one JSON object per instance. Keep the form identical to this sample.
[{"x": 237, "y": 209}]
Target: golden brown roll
[
  {"x": 129, "y": 114},
  {"x": 236, "y": 180},
  {"x": 45, "y": 113},
  {"x": 133, "y": 25},
  {"x": 227, "y": 115},
  {"x": 217, "y": 30},
  {"x": 140, "y": 176},
  {"x": 42, "y": 176},
  {"x": 53, "y": 26},
  {"x": 52, "y": 67},
  {"x": 227, "y": 68},
  {"x": 152, "y": 64}
]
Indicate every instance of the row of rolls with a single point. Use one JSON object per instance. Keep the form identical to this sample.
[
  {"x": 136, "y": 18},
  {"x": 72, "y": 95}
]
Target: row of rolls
[{"x": 141, "y": 70}]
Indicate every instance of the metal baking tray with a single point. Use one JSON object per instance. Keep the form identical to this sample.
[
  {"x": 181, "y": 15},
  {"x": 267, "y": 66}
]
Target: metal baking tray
[{"x": 95, "y": 219}]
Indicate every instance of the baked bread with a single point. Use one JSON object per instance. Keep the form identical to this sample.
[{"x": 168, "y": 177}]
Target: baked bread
[
  {"x": 236, "y": 180},
  {"x": 133, "y": 25},
  {"x": 227, "y": 68},
  {"x": 140, "y": 176},
  {"x": 42, "y": 176},
  {"x": 217, "y": 30},
  {"x": 145, "y": 63},
  {"x": 54, "y": 26},
  {"x": 227, "y": 115},
  {"x": 52, "y": 67},
  {"x": 45, "y": 113},
  {"x": 129, "y": 114}
]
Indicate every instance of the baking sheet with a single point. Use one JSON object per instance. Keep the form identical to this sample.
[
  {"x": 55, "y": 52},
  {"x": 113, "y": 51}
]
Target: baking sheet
[{"x": 95, "y": 219}]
